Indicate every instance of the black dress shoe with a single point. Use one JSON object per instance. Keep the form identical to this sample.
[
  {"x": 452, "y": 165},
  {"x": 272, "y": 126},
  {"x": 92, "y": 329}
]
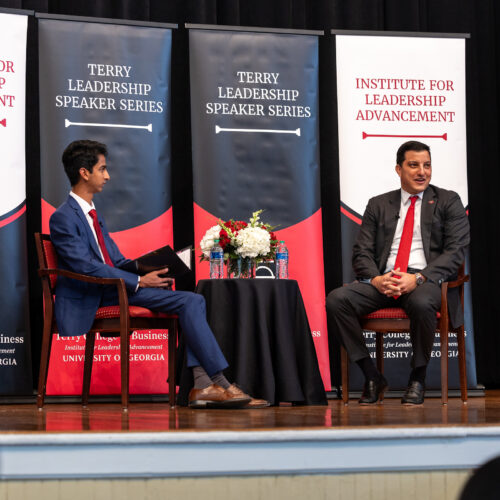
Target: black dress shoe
[
  {"x": 414, "y": 395},
  {"x": 372, "y": 391}
]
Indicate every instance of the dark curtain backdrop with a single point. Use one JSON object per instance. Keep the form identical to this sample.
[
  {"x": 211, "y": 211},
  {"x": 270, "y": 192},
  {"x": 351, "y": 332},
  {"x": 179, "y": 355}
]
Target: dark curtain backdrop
[{"x": 479, "y": 18}]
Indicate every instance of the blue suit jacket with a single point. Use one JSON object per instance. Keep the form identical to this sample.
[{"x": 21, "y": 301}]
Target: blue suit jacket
[{"x": 77, "y": 302}]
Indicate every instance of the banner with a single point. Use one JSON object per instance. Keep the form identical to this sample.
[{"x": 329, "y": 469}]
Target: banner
[
  {"x": 392, "y": 89},
  {"x": 254, "y": 121},
  {"x": 15, "y": 350},
  {"x": 110, "y": 83}
]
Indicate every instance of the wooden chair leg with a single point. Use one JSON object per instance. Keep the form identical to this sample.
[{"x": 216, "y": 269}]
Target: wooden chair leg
[
  {"x": 44, "y": 360},
  {"x": 87, "y": 367},
  {"x": 379, "y": 349},
  {"x": 172, "y": 350},
  {"x": 462, "y": 366},
  {"x": 443, "y": 334},
  {"x": 344, "y": 367},
  {"x": 125, "y": 365}
]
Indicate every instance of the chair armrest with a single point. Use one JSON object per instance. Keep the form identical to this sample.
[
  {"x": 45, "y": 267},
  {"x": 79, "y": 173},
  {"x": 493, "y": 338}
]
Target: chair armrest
[
  {"x": 80, "y": 277},
  {"x": 459, "y": 282},
  {"x": 118, "y": 282},
  {"x": 444, "y": 291}
]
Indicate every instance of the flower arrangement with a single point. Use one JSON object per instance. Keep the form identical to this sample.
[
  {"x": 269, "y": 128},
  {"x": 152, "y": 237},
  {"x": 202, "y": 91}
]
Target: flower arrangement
[{"x": 238, "y": 239}]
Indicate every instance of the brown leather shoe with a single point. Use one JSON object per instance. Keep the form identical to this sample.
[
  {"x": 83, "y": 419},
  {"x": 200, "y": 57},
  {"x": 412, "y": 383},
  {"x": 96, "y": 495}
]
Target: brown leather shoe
[
  {"x": 253, "y": 403},
  {"x": 257, "y": 403},
  {"x": 214, "y": 396}
]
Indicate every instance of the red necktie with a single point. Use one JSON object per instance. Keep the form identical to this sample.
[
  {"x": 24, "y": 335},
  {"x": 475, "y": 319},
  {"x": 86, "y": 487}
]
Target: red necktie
[
  {"x": 100, "y": 238},
  {"x": 405, "y": 243}
]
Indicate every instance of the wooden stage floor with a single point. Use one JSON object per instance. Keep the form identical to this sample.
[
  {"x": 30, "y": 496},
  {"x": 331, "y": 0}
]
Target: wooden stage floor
[
  {"x": 158, "y": 417},
  {"x": 67, "y": 441}
]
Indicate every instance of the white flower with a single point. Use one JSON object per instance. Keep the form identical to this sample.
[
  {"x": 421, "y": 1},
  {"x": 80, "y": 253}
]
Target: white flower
[
  {"x": 207, "y": 241},
  {"x": 253, "y": 242}
]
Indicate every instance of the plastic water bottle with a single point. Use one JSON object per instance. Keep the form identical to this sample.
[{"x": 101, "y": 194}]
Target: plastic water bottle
[
  {"x": 216, "y": 262},
  {"x": 282, "y": 261}
]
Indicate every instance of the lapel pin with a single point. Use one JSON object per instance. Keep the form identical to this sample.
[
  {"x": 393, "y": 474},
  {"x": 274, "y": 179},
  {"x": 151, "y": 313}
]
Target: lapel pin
[{"x": 431, "y": 202}]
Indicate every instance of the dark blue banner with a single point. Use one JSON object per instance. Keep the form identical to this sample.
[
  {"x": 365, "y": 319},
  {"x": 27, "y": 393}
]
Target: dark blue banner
[
  {"x": 110, "y": 83},
  {"x": 254, "y": 120}
]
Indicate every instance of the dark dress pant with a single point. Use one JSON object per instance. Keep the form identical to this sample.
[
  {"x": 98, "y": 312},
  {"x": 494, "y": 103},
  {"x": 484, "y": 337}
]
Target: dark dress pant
[
  {"x": 202, "y": 347},
  {"x": 346, "y": 305}
]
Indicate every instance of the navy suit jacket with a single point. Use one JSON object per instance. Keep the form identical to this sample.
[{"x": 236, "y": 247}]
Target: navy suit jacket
[{"x": 77, "y": 302}]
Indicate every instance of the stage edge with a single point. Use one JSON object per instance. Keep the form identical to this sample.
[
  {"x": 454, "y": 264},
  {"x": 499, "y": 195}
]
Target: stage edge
[{"x": 198, "y": 454}]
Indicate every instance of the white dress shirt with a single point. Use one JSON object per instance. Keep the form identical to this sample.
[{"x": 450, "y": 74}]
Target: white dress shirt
[{"x": 417, "y": 258}]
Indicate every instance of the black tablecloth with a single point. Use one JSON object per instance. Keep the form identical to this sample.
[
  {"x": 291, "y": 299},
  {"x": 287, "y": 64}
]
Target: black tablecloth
[{"x": 262, "y": 328}]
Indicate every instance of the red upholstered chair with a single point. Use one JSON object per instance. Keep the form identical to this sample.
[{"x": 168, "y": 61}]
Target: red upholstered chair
[
  {"x": 112, "y": 321},
  {"x": 395, "y": 320}
]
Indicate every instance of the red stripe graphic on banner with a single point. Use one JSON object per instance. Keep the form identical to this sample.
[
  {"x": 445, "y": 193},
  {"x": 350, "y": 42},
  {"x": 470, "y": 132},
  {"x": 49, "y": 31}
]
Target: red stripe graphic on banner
[
  {"x": 148, "y": 364},
  {"x": 47, "y": 211},
  {"x": 442, "y": 136},
  {"x": 13, "y": 217},
  {"x": 305, "y": 245},
  {"x": 202, "y": 221},
  {"x": 135, "y": 241},
  {"x": 147, "y": 237},
  {"x": 357, "y": 220}
]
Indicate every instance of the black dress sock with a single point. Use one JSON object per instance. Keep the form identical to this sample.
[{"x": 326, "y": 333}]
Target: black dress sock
[
  {"x": 368, "y": 368},
  {"x": 418, "y": 374}
]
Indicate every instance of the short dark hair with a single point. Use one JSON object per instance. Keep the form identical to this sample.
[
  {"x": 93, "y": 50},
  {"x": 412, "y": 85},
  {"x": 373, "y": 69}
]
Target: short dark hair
[
  {"x": 483, "y": 484},
  {"x": 80, "y": 154},
  {"x": 410, "y": 146}
]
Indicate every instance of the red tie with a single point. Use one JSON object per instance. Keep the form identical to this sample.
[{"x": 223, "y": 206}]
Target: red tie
[
  {"x": 405, "y": 243},
  {"x": 100, "y": 237}
]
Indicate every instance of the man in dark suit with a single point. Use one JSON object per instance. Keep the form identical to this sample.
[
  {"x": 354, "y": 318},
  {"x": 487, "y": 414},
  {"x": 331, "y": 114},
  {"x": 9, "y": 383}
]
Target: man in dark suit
[
  {"x": 401, "y": 261},
  {"x": 83, "y": 245}
]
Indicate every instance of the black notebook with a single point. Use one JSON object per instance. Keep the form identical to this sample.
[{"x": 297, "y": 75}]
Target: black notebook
[{"x": 158, "y": 259}]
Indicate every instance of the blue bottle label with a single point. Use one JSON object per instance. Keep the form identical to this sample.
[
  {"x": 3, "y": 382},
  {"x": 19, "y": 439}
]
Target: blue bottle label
[
  {"x": 281, "y": 256},
  {"x": 216, "y": 255}
]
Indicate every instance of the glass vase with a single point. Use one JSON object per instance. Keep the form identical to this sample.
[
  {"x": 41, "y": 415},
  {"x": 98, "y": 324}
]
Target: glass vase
[
  {"x": 247, "y": 267},
  {"x": 233, "y": 267}
]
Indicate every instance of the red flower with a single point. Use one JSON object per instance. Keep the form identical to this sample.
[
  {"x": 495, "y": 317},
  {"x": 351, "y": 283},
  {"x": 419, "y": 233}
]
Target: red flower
[{"x": 235, "y": 226}]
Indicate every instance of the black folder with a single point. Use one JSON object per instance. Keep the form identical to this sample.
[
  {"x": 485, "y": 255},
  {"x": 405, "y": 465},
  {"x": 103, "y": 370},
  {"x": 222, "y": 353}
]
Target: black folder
[{"x": 158, "y": 259}]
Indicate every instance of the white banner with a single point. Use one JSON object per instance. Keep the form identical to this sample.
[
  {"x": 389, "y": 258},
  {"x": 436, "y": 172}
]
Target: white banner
[
  {"x": 12, "y": 110},
  {"x": 395, "y": 89},
  {"x": 392, "y": 89},
  {"x": 15, "y": 351}
]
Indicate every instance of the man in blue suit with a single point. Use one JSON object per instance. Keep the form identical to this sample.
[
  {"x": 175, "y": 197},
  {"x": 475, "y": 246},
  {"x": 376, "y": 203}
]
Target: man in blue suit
[{"x": 83, "y": 245}]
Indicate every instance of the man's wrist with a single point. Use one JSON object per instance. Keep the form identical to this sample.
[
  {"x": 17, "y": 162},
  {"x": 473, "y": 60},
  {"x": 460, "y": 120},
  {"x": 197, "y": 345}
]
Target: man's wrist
[
  {"x": 375, "y": 282},
  {"x": 420, "y": 279}
]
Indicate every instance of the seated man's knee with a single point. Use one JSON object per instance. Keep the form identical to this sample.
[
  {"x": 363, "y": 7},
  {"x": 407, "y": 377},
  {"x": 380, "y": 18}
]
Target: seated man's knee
[
  {"x": 421, "y": 305},
  {"x": 195, "y": 300},
  {"x": 336, "y": 299}
]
